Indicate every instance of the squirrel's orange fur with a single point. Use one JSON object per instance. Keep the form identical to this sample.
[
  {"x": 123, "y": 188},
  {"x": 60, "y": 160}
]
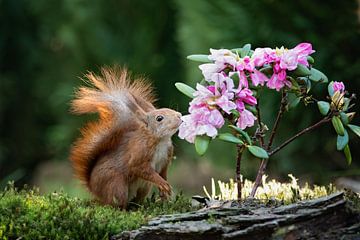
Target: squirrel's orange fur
[{"x": 129, "y": 147}]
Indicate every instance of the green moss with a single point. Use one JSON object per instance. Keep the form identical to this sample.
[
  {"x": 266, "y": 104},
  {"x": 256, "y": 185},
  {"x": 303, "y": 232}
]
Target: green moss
[{"x": 27, "y": 215}]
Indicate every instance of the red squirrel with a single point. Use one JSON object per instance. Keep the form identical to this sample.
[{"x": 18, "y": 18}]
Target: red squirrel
[{"x": 129, "y": 148}]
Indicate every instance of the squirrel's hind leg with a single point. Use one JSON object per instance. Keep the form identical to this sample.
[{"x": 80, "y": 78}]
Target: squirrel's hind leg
[
  {"x": 113, "y": 192},
  {"x": 142, "y": 192},
  {"x": 118, "y": 192}
]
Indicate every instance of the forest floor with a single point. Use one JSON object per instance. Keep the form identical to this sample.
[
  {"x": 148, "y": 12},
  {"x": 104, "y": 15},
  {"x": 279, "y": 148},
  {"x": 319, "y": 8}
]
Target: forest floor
[{"x": 27, "y": 214}]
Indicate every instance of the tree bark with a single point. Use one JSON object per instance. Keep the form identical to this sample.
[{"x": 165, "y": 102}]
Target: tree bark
[{"x": 331, "y": 217}]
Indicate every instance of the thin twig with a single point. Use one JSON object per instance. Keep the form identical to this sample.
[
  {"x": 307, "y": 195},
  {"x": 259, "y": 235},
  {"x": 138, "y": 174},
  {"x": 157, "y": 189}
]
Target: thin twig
[
  {"x": 260, "y": 127},
  {"x": 264, "y": 161},
  {"x": 277, "y": 121},
  {"x": 240, "y": 149},
  {"x": 308, "y": 129}
]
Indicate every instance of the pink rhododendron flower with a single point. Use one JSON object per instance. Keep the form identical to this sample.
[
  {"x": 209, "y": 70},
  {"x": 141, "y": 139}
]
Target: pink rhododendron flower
[
  {"x": 243, "y": 96},
  {"x": 243, "y": 82},
  {"x": 262, "y": 56},
  {"x": 223, "y": 56},
  {"x": 212, "y": 97},
  {"x": 246, "y": 119},
  {"x": 187, "y": 129},
  {"x": 223, "y": 85},
  {"x": 258, "y": 77},
  {"x": 208, "y": 69},
  {"x": 203, "y": 121},
  {"x": 283, "y": 59},
  {"x": 219, "y": 95},
  {"x": 278, "y": 81},
  {"x": 245, "y": 64},
  {"x": 338, "y": 86},
  {"x": 289, "y": 60},
  {"x": 303, "y": 50}
]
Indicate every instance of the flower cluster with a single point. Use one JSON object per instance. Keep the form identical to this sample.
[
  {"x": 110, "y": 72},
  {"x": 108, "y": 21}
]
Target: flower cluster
[{"x": 229, "y": 80}]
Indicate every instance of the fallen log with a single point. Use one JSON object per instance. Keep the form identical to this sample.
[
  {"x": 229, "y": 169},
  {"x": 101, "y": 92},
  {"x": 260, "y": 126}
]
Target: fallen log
[{"x": 331, "y": 217}]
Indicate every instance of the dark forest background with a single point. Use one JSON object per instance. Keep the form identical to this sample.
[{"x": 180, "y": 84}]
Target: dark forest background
[{"x": 46, "y": 46}]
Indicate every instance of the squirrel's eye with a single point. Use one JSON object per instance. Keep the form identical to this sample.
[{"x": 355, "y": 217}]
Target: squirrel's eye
[{"x": 159, "y": 118}]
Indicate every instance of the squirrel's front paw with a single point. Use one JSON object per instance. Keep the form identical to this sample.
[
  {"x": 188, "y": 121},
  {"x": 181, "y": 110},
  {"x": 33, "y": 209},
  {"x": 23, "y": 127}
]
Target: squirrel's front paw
[{"x": 165, "y": 190}]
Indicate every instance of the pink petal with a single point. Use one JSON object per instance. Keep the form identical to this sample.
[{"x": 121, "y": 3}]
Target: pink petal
[{"x": 258, "y": 77}]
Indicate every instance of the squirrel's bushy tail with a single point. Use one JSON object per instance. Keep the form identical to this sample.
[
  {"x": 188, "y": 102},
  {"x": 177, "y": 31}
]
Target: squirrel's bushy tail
[
  {"x": 115, "y": 97},
  {"x": 111, "y": 93}
]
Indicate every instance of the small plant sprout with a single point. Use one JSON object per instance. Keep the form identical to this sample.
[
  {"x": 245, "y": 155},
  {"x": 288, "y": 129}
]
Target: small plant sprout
[
  {"x": 229, "y": 98},
  {"x": 287, "y": 193}
]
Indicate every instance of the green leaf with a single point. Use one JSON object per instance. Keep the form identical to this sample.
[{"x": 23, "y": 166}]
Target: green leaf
[
  {"x": 342, "y": 141},
  {"x": 252, "y": 109},
  {"x": 346, "y": 103},
  {"x": 348, "y": 154},
  {"x": 245, "y": 50},
  {"x": 324, "y": 107},
  {"x": 236, "y": 50},
  {"x": 199, "y": 58},
  {"x": 201, "y": 144},
  {"x": 242, "y": 133},
  {"x": 228, "y": 137},
  {"x": 293, "y": 101},
  {"x": 235, "y": 113},
  {"x": 294, "y": 84},
  {"x": 331, "y": 89},
  {"x": 338, "y": 126},
  {"x": 308, "y": 85},
  {"x": 258, "y": 152},
  {"x": 251, "y": 52},
  {"x": 344, "y": 118},
  {"x": 185, "y": 89},
  {"x": 236, "y": 79},
  {"x": 310, "y": 60},
  {"x": 355, "y": 129},
  {"x": 317, "y": 76},
  {"x": 302, "y": 71}
]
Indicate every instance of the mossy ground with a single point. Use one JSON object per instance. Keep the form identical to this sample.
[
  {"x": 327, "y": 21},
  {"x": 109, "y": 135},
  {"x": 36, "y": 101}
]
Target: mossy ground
[{"x": 25, "y": 214}]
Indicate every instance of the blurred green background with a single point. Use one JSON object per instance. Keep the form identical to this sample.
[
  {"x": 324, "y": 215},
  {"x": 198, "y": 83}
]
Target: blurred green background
[{"x": 45, "y": 46}]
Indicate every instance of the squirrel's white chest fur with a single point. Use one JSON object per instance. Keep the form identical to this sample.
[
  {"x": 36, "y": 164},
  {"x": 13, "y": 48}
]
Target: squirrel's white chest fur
[
  {"x": 161, "y": 154},
  {"x": 157, "y": 163}
]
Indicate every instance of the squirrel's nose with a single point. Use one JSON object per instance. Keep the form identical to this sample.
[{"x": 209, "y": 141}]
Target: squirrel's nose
[{"x": 178, "y": 115}]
